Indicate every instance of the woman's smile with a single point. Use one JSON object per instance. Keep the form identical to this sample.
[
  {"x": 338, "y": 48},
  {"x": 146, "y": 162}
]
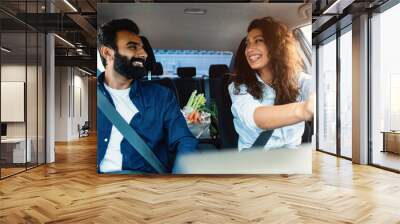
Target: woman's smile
[
  {"x": 254, "y": 57},
  {"x": 256, "y": 50}
]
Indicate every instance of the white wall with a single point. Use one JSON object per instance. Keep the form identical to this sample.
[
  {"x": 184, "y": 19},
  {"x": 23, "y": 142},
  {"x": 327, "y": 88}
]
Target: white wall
[
  {"x": 14, "y": 72},
  {"x": 17, "y": 73},
  {"x": 71, "y": 94},
  {"x": 61, "y": 103},
  {"x": 80, "y": 102},
  {"x": 33, "y": 126}
]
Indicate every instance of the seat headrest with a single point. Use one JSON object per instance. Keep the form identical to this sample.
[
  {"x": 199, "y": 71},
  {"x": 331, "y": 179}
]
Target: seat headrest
[
  {"x": 185, "y": 72},
  {"x": 151, "y": 59},
  {"x": 217, "y": 70},
  {"x": 157, "y": 69}
]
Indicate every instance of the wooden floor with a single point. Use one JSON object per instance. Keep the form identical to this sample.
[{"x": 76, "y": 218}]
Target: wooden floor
[
  {"x": 10, "y": 171},
  {"x": 70, "y": 191},
  {"x": 5, "y": 172}
]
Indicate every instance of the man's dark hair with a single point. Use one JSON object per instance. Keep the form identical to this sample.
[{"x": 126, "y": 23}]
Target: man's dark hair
[{"x": 107, "y": 33}]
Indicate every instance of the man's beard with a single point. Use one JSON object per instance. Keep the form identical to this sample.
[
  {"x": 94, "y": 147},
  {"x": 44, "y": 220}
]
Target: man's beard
[{"x": 125, "y": 66}]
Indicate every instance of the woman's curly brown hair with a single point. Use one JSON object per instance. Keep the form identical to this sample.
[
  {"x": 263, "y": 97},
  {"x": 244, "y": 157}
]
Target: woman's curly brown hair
[{"x": 285, "y": 62}]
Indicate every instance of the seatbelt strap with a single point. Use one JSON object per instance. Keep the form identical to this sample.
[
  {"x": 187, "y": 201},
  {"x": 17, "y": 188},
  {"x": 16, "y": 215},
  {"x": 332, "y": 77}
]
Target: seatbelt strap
[
  {"x": 128, "y": 132},
  {"x": 262, "y": 139}
]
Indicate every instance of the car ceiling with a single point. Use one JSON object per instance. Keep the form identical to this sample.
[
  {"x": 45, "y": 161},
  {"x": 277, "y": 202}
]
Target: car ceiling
[{"x": 221, "y": 28}]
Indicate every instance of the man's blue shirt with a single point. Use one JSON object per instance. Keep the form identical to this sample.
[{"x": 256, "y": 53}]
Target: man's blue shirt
[{"x": 159, "y": 122}]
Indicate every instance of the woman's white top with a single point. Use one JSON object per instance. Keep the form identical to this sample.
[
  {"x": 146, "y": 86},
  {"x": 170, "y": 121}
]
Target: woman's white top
[{"x": 244, "y": 106}]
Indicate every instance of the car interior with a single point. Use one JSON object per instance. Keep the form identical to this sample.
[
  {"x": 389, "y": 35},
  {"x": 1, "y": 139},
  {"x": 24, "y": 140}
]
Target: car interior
[{"x": 198, "y": 36}]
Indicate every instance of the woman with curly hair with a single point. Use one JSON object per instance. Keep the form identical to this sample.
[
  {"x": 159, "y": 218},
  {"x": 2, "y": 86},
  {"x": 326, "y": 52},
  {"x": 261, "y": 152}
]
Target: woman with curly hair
[{"x": 270, "y": 92}]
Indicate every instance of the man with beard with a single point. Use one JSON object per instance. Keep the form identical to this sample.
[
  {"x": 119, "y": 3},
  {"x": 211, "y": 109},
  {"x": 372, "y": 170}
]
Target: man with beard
[{"x": 150, "y": 109}]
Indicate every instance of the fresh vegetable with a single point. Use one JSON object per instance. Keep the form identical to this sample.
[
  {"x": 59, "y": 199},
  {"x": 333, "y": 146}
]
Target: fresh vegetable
[
  {"x": 194, "y": 117},
  {"x": 198, "y": 116},
  {"x": 195, "y": 107},
  {"x": 196, "y": 101}
]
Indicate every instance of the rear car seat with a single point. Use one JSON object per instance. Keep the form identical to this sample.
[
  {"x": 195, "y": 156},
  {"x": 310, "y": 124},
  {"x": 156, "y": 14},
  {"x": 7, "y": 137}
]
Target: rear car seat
[
  {"x": 187, "y": 83},
  {"x": 167, "y": 82},
  {"x": 219, "y": 80},
  {"x": 156, "y": 69},
  {"x": 151, "y": 59}
]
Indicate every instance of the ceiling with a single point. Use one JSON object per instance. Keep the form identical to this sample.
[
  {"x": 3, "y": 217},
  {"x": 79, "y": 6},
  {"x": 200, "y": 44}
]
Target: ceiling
[
  {"x": 76, "y": 24},
  {"x": 221, "y": 28},
  {"x": 22, "y": 47}
]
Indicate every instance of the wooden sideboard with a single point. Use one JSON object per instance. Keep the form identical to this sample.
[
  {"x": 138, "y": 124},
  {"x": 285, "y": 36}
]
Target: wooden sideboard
[{"x": 391, "y": 141}]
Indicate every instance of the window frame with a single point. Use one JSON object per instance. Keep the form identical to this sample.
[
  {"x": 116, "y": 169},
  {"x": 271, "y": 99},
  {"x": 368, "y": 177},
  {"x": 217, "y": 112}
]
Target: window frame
[
  {"x": 378, "y": 10},
  {"x": 334, "y": 37}
]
